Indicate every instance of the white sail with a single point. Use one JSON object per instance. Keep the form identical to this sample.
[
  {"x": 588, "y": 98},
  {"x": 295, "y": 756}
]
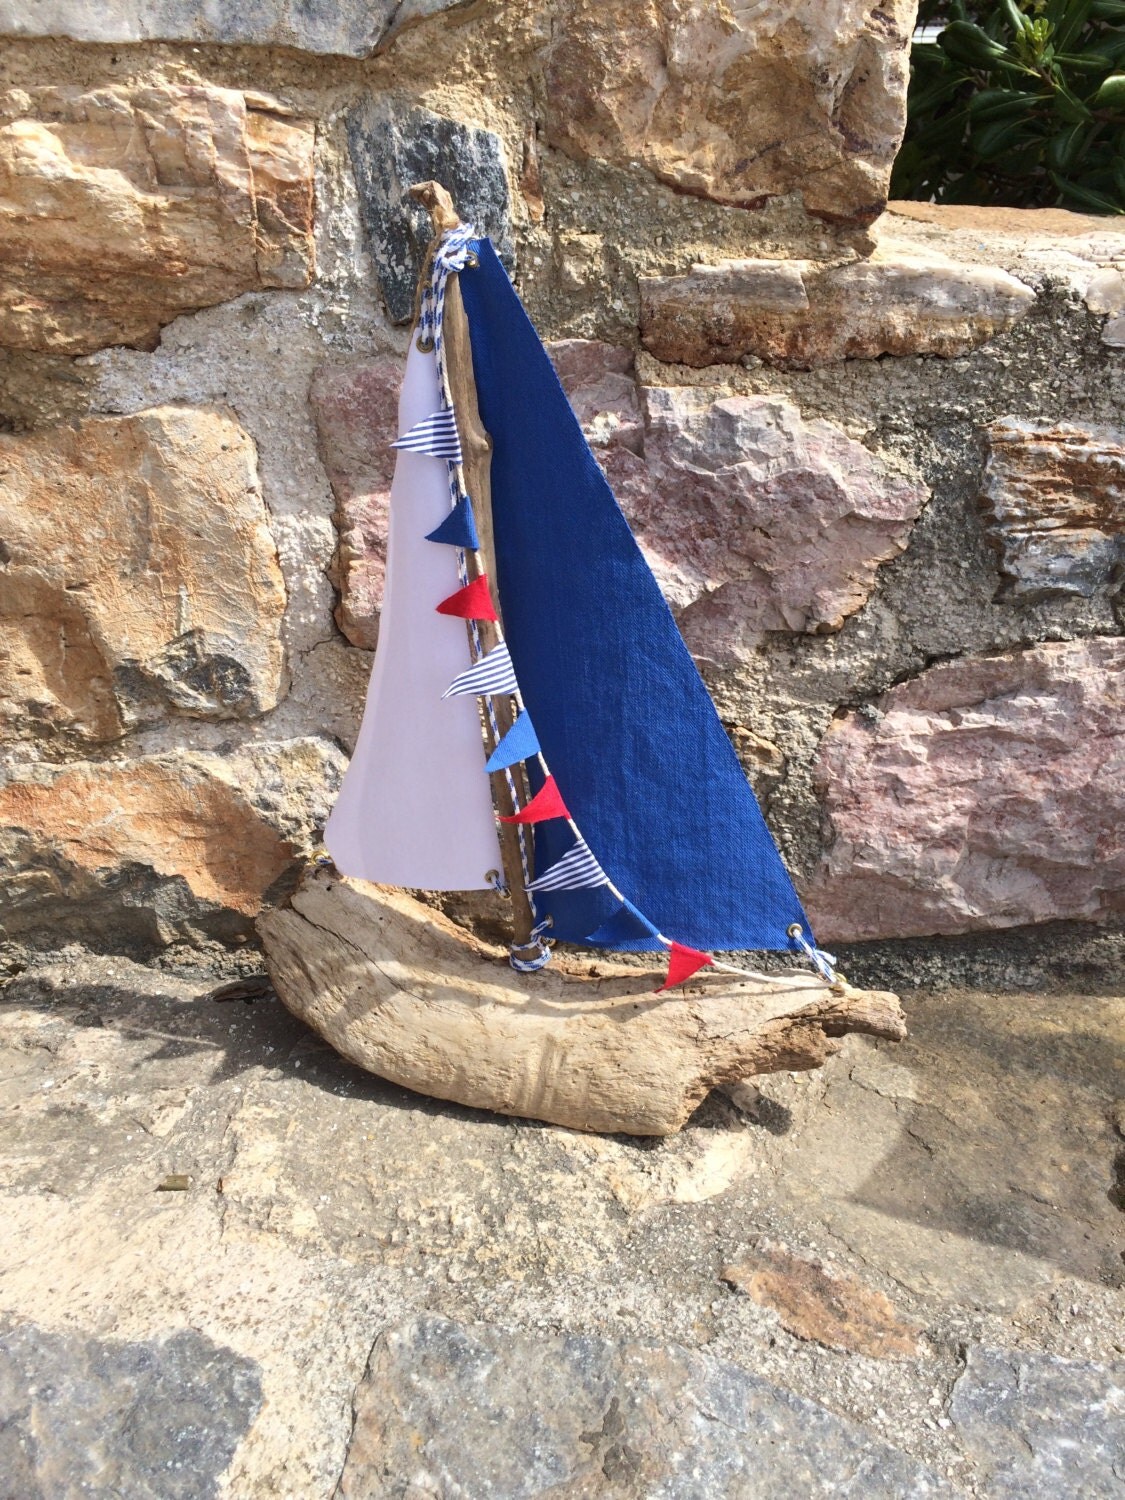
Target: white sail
[{"x": 415, "y": 807}]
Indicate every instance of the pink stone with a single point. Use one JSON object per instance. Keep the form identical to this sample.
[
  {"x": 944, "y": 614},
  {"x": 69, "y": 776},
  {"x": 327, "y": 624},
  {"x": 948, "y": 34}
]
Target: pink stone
[
  {"x": 756, "y": 520},
  {"x": 990, "y": 792},
  {"x": 600, "y": 386},
  {"x": 356, "y": 411},
  {"x": 752, "y": 518}
]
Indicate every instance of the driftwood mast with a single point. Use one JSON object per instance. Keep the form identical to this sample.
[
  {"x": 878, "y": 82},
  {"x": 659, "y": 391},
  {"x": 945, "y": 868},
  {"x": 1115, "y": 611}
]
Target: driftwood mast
[{"x": 476, "y": 446}]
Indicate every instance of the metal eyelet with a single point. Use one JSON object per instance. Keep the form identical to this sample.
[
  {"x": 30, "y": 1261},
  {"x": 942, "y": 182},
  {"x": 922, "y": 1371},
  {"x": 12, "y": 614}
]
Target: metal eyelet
[
  {"x": 472, "y": 260},
  {"x": 425, "y": 346}
]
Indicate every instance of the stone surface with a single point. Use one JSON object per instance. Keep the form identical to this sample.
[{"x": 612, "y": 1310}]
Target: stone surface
[
  {"x": 974, "y": 1176},
  {"x": 356, "y": 411},
  {"x": 81, "y": 1415},
  {"x": 983, "y": 793},
  {"x": 123, "y": 207},
  {"x": 140, "y": 575},
  {"x": 1053, "y": 498},
  {"x": 737, "y": 104},
  {"x": 1039, "y": 1425},
  {"x": 312, "y": 25},
  {"x": 601, "y": 386},
  {"x": 813, "y": 1302},
  {"x": 755, "y": 519},
  {"x": 394, "y": 145},
  {"x": 481, "y": 1411},
  {"x": 801, "y": 315},
  {"x": 146, "y": 852},
  {"x": 1105, "y": 293}
]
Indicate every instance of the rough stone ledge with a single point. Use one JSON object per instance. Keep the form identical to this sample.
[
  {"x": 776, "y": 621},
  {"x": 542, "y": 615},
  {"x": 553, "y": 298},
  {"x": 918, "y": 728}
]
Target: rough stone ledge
[
  {"x": 349, "y": 29},
  {"x": 801, "y": 314}
]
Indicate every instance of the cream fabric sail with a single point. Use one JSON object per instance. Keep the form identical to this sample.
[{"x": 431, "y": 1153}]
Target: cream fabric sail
[{"x": 415, "y": 808}]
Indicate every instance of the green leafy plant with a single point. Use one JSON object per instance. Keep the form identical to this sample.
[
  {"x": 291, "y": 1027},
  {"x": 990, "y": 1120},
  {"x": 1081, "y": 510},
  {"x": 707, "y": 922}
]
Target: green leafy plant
[{"x": 1020, "y": 102}]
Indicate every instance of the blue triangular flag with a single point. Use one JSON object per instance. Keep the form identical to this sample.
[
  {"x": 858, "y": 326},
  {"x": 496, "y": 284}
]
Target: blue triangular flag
[
  {"x": 626, "y": 922},
  {"x": 459, "y": 529},
  {"x": 520, "y": 743}
]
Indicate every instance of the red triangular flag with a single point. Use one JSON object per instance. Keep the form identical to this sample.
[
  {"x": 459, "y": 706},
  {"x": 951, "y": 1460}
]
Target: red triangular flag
[
  {"x": 547, "y": 803},
  {"x": 682, "y": 964},
  {"x": 473, "y": 602}
]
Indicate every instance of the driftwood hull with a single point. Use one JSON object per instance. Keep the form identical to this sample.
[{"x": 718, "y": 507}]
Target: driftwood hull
[{"x": 404, "y": 993}]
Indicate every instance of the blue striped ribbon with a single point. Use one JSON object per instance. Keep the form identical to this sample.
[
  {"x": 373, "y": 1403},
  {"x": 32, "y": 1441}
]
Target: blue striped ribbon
[
  {"x": 436, "y": 435},
  {"x": 494, "y": 673},
  {"x": 578, "y": 870}
]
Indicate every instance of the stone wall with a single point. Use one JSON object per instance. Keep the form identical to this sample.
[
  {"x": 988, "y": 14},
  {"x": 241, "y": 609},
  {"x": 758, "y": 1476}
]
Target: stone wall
[{"x": 876, "y": 457}]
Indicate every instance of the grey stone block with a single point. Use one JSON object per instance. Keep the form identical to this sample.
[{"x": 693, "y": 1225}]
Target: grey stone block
[
  {"x": 449, "y": 1410},
  {"x": 393, "y": 146},
  {"x": 140, "y": 1421},
  {"x": 355, "y": 28},
  {"x": 1041, "y": 1427}
]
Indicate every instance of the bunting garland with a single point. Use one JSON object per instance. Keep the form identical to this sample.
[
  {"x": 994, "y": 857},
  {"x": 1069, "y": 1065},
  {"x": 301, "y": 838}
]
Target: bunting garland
[
  {"x": 436, "y": 436},
  {"x": 520, "y": 743},
  {"x": 473, "y": 602},
  {"x": 459, "y": 529},
  {"x": 578, "y": 870},
  {"x": 547, "y": 803},
  {"x": 625, "y": 924},
  {"x": 494, "y": 673},
  {"x": 683, "y": 962}
]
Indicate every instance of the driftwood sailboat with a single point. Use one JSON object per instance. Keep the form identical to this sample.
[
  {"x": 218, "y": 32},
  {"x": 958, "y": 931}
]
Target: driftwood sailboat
[{"x": 535, "y": 723}]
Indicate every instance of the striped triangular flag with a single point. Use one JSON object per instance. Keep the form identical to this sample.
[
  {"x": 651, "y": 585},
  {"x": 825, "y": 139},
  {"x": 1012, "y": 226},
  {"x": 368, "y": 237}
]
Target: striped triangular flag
[
  {"x": 578, "y": 870},
  {"x": 436, "y": 435},
  {"x": 494, "y": 673}
]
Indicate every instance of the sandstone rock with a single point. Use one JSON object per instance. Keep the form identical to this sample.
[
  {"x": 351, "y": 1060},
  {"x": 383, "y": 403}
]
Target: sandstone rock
[
  {"x": 393, "y": 145},
  {"x": 986, "y": 792},
  {"x": 124, "y": 207},
  {"x": 139, "y": 575},
  {"x": 800, "y": 314},
  {"x": 737, "y": 104},
  {"x": 1041, "y": 1426},
  {"x": 831, "y": 1308},
  {"x": 1053, "y": 498},
  {"x": 754, "y": 519},
  {"x": 356, "y": 411},
  {"x": 138, "y": 854},
  {"x": 483, "y": 1411},
  {"x": 82, "y": 1415},
  {"x": 312, "y": 25}
]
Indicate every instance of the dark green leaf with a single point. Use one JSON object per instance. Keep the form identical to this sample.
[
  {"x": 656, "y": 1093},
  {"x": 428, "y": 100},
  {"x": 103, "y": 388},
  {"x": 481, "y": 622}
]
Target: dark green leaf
[
  {"x": 966, "y": 43},
  {"x": 1099, "y": 202},
  {"x": 992, "y": 104},
  {"x": 1076, "y": 16},
  {"x": 1064, "y": 149},
  {"x": 991, "y": 139}
]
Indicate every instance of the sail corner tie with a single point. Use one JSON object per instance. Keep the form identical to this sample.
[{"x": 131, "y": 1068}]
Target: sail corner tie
[{"x": 824, "y": 963}]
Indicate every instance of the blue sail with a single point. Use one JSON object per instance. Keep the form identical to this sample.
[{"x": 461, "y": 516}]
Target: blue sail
[{"x": 624, "y": 720}]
